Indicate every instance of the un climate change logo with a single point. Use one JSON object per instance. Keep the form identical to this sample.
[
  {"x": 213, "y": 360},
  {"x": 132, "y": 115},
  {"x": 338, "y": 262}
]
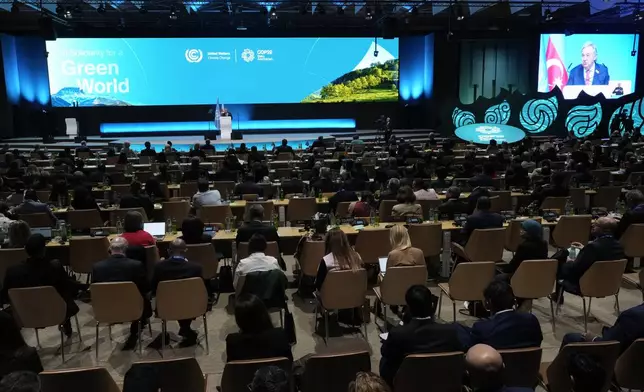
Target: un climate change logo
[
  {"x": 248, "y": 55},
  {"x": 194, "y": 55}
]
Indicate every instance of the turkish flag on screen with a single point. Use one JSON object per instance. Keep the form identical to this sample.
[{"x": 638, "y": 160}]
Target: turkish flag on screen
[{"x": 557, "y": 74}]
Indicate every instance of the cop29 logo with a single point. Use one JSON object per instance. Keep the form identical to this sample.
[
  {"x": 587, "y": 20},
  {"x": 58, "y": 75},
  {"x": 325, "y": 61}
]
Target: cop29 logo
[
  {"x": 248, "y": 55},
  {"x": 194, "y": 55}
]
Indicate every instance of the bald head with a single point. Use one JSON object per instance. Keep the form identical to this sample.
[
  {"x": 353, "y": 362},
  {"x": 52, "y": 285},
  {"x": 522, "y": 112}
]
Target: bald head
[
  {"x": 177, "y": 247},
  {"x": 605, "y": 225},
  {"x": 118, "y": 246},
  {"x": 485, "y": 366}
]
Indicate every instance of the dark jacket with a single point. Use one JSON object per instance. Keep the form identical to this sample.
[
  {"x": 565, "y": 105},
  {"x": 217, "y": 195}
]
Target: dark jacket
[
  {"x": 549, "y": 191},
  {"x": 174, "y": 268},
  {"x": 481, "y": 180},
  {"x": 628, "y": 327},
  {"x": 636, "y": 215},
  {"x": 416, "y": 337},
  {"x": 481, "y": 220},
  {"x": 325, "y": 185},
  {"x": 148, "y": 152},
  {"x": 138, "y": 201},
  {"x": 269, "y": 286},
  {"x": 505, "y": 330},
  {"x": 266, "y": 344},
  {"x": 529, "y": 249},
  {"x": 341, "y": 196},
  {"x": 118, "y": 268},
  {"x": 256, "y": 227},
  {"x": 293, "y": 185},
  {"x": 602, "y": 249},
  {"x": 41, "y": 272},
  {"x": 452, "y": 207},
  {"x": 248, "y": 188}
]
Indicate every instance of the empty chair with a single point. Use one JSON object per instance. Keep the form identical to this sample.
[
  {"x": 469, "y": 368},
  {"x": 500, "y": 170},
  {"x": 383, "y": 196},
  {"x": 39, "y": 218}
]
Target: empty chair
[
  {"x": 384, "y": 211},
  {"x": 178, "y": 374},
  {"x": 571, "y": 229},
  {"x": 176, "y": 210},
  {"x": 38, "y": 220},
  {"x": 372, "y": 244},
  {"x": 503, "y": 202},
  {"x": 309, "y": 260},
  {"x": 535, "y": 279},
  {"x": 43, "y": 196},
  {"x": 342, "y": 210},
  {"x": 554, "y": 203},
  {"x": 627, "y": 371},
  {"x": 521, "y": 366},
  {"x": 272, "y": 249},
  {"x": 396, "y": 282},
  {"x": 427, "y": 237},
  {"x": 238, "y": 375},
  {"x": 187, "y": 189},
  {"x": 84, "y": 252},
  {"x": 632, "y": 242},
  {"x": 301, "y": 209},
  {"x": 607, "y": 197},
  {"x": 95, "y": 379},
  {"x": 467, "y": 283},
  {"x": 84, "y": 219},
  {"x": 444, "y": 371},
  {"x": 334, "y": 372},
  {"x": 205, "y": 255},
  {"x": 214, "y": 214},
  {"x": 578, "y": 199},
  {"x": 483, "y": 245},
  {"x": 224, "y": 187}
]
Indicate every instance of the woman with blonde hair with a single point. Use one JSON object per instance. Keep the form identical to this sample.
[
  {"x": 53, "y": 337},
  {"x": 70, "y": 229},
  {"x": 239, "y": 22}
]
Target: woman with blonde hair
[
  {"x": 339, "y": 255},
  {"x": 402, "y": 253}
]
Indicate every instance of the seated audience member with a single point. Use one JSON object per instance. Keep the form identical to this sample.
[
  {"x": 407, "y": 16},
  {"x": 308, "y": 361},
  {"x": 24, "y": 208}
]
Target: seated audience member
[
  {"x": 136, "y": 199},
  {"x": 634, "y": 214},
  {"x": 474, "y": 197},
  {"x": 325, "y": 184},
  {"x": 557, "y": 188},
  {"x": 342, "y": 195},
  {"x": 391, "y": 193},
  {"x": 284, "y": 147},
  {"x": 318, "y": 143},
  {"x": 517, "y": 177},
  {"x": 582, "y": 174},
  {"x": 527, "y": 163},
  {"x": 176, "y": 267},
  {"x": 6, "y": 218},
  {"x": 20, "y": 381},
  {"x": 148, "y": 151},
  {"x": 14, "y": 170},
  {"x": 483, "y": 176},
  {"x": 100, "y": 176},
  {"x": 83, "y": 199},
  {"x": 255, "y": 155},
  {"x": 205, "y": 196},
  {"x": 482, "y": 218},
  {"x": 15, "y": 354},
  {"x": 485, "y": 370},
  {"x": 604, "y": 247},
  {"x": 153, "y": 190},
  {"x": 270, "y": 379},
  {"x": 441, "y": 181},
  {"x": 119, "y": 268},
  {"x": 38, "y": 270},
  {"x": 406, "y": 204},
  {"x": 256, "y": 226},
  {"x": 249, "y": 187},
  {"x": 31, "y": 205},
  {"x": 257, "y": 260},
  {"x": 293, "y": 185},
  {"x": 19, "y": 233},
  {"x": 423, "y": 192},
  {"x": 368, "y": 382},
  {"x": 208, "y": 146},
  {"x": 453, "y": 205},
  {"x": 359, "y": 173},
  {"x": 197, "y": 152},
  {"x": 257, "y": 338},
  {"x": 59, "y": 192},
  {"x": 533, "y": 246},
  {"x": 133, "y": 230},
  {"x": 402, "y": 253},
  {"x": 338, "y": 255},
  {"x": 364, "y": 206},
  {"x": 506, "y": 328},
  {"x": 192, "y": 231},
  {"x": 195, "y": 172},
  {"x": 419, "y": 335}
]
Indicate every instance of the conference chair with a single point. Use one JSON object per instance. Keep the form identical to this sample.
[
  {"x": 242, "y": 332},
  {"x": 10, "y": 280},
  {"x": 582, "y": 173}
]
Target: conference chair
[
  {"x": 602, "y": 279},
  {"x": 115, "y": 303},
  {"x": 151, "y": 259},
  {"x": 607, "y": 197},
  {"x": 521, "y": 367},
  {"x": 467, "y": 283},
  {"x": 272, "y": 249},
  {"x": 187, "y": 189},
  {"x": 513, "y": 234},
  {"x": 120, "y": 190},
  {"x": 627, "y": 371},
  {"x": 95, "y": 379},
  {"x": 11, "y": 257},
  {"x": 427, "y": 237},
  {"x": 182, "y": 299},
  {"x": 384, "y": 211},
  {"x": 238, "y": 375},
  {"x": 250, "y": 196},
  {"x": 224, "y": 187},
  {"x": 554, "y": 375},
  {"x": 445, "y": 370},
  {"x": 178, "y": 374},
  {"x": 43, "y": 196},
  {"x": 632, "y": 242},
  {"x": 554, "y": 203},
  {"x": 176, "y": 210},
  {"x": 84, "y": 252},
  {"x": 284, "y": 156},
  {"x": 428, "y": 206},
  {"x": 309, "y": 260},
  {"x": 205, "y": 255},
  {"x": 601, "y": 176},
  {"x": 301, "y": 209},
  {"x": 635, "y": 178},
  {"x": 503, "y": 202},
  {"x": 569, "y": 229},
  {"x": 342, "y": 210},
  {"x": 215, "y": 214},
  {"x": 342, "y": 289},
  {"x": 395, "y": 283},
  {"x": 119, "y": 214},
  {"x": 143, "y": 176},
  {"x": 146, "y": 159},
  {"x": 84, "y": 219},
  {"x": 41, "y": 307},
  {"x": 38, "y": 220},
  {"x": 334, "y": 372},
  {"x": 535, "y": 279},
  {"x": 578, "y": 199},
  {"x": 483, "y": 245},
  {"x": 373, "y": 243}
]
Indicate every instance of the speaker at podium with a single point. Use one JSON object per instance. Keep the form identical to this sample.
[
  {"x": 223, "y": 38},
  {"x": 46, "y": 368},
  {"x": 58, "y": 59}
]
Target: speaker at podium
[{"x": 225, "y": 127}]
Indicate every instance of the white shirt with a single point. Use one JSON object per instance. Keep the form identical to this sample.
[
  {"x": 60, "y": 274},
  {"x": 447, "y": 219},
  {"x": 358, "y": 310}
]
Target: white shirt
[
  {"x": 423, "y": 194},
  {"x": 208, "y": 198},
  {"x": 256, "y": 262}
]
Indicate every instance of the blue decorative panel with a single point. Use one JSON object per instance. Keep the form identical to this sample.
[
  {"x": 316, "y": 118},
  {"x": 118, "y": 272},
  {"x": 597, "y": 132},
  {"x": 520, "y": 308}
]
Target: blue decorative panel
[
  {"x": 498, "y": 114},
  {"x": 460, "y": 118},
  {"x": 537, "y": 115},
  {"x": 583, "y": 120}
]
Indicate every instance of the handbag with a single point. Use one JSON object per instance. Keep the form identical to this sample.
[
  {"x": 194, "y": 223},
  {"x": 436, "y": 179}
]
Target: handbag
[
  {"x": 225, "y": 279},
  {"x": 289, "y": 326}
]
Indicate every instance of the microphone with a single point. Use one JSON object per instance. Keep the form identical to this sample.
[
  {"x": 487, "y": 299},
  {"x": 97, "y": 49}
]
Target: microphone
[{"x": 569, "y": 65}]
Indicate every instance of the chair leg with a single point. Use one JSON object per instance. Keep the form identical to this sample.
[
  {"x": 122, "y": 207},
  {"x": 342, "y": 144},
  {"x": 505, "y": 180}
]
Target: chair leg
[
  {"x": 109, "y": 328},
  {"x": 384, "y": 315},
  {"x": 583, "y": 299},
  {"x": 326, "y": 326},
  {"x": 440, "y": 303},
  {"x": 552, "y": 312},
  {"x": 37, "y": 338},
  {"x": 454, "y": 309},
  {"x": 140, "y": 337},
  {"x": 62, "y": 343},
  {"x": 315, "y": 320},
  {"x": 163, "y": 329},
  {"x": 205, "y": 330},
  {"x": 97, "y": 323},
  {"x": 281, "y": 319},
  {"x": 559, "y": 300},
  {"x": 590, "y": 301},
  {"x": 150, "y": 326},
  {"x": 80, "y": 338},
  {"x": 617, "y": 304}
]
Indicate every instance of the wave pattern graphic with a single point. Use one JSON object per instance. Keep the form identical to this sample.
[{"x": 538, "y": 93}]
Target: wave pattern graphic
[
  {"x": 583, "y": 120},
  {"x": 636, "y": 112},
  {"x": 537, "y": 115},
  {"x": 461, "y": 117},
  {"x": 498, "y": 114}
]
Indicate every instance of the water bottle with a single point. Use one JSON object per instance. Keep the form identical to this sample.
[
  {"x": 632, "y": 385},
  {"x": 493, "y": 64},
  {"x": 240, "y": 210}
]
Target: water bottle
[
  {"x": 275, "y": 219},
  {"x": 168, "y": 225},
  {"x": 174, "y": 226},
  {"x": 332, "y": 220},
  {"x": 569, "y": 209},
  {"x": 233, "y": 253},
  {"x": 281, "y": 192},
  {"x": 119, "y": 226},
  {"x": 372, "y": 217}
]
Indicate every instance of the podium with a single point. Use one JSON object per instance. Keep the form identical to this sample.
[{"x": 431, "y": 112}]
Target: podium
[{"x": 225, "y": 127}]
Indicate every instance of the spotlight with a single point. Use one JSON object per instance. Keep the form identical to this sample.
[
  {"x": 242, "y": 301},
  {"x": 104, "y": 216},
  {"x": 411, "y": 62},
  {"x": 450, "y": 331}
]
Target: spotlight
[
  {"x": 340, "y": 10},
  {"x": 68, "y": 14},
  {"x": 638, "y": 16},
  {"x": 173, "y": 13},
  {"x": 101, "y": 8},
  {"x": 273, "y": 15},
  {"x": 367, "y": 14},
  {"x": 547, "y": 15},
  {"x": 459, "y": 14}
]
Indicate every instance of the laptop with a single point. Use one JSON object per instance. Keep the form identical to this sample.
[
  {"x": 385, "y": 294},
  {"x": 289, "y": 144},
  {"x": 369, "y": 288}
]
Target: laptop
[
  {"x": 45, "y": 231},
  {"x": 155, "y": 229}
]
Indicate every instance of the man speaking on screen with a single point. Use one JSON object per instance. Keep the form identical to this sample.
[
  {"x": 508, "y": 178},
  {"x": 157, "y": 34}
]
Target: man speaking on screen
[{"x": 589, "y": 72}]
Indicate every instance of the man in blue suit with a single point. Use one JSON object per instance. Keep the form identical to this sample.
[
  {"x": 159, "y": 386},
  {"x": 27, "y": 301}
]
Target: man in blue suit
[
  {"x": 506, "y": 328},
  {"x": 589, "y": 72}
]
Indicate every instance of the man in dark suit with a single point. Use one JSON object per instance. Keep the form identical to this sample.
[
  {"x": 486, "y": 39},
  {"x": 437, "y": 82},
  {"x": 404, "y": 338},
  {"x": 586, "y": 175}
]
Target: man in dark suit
[
  {"x": 506, "y": 328},
  {"x": 482, "y": 218},
  {"x": 148, "y": 151},
  {"x": 635, "y": 213},
  {"x": 284, "y": 147},
  {"x": 555, "y": 189},
  {"x": 119, "y": 268},
  {"x": 83, "y": 148},
  {"x": 208, "y": 146},
  {"x": 589, "y": 72},
  {"x": 256, "y": 226},
  {"x": 325, "y": 184},
  {"x": 249, "y": 187},
  {"x": 453, "y": 205},
  {"x": 482, "y": 176},
  {"x": 419, "y": 334},
  {"x": 485, "y": 370},
  {"x": 255, "y": 155},
  {"x": 176, "y": 267},
  {"x": 294, "y": 185},
  {"x": 340, "y": 196},
  {"x": 136, "y": 199},
  {"x": 31, "y": 205}
]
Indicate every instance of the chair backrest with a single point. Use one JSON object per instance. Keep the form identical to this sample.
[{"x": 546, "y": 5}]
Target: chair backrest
[
  {"x": 121, "y": 189},
  {"x": 250, "y": 196},
  {"x": 284, "y": 156},
  {"x": 398, "y": 279},
  {"x": 503, "y": 202},
  {"x": 177, "y": 374},
  {"x": 602, "y": 279},
  {"x": 607, "y": 197},
  {"x": 177, "y": 210},
  {"x": 37, "y": 220},
  {"x": 427, "y": 237},
  {"x": 205, "y": 255},
  {"x": 84, "y": 219},
  {"x": 38, "y": 307},
  {"x": 268, "y": 209},
  {"x": 372, "y": 244},
  {"x": 120, "y": 213},
  {"x": 627, "y": 369},
  {"x": 534, "y": 278},
  {"x": 181, "y": 299},
  {"x": 272, "y": 249},
  {"x": 334, "y": 372},
  {"x": 84, "y": 252},
  {"x": 486, "y": 245},
  {"x": 311, "y": 256},
  {"x": 187, "y": 189},
  {"x": 427, "y": 206},
  {"x": 224, "y": 187},
  {"x": 96, "y": 379},
  {"x": 43, "y": 196},
  {"x": 344, "y": 289},
  {"x": 632, "y": 242},
  {"x": 554, "y": 203},
  {"x": 469, "y": 279},
  {"x": 301, "y": 209},
  {"x": 521, "y": 366},
  {"x": 445, "y": 370},
  {"x": 238, "y": 374},
  {"x": 575, "y": 228},
  {"x": 9, "y": 257},
  {"x": 151, "y": 259},
  {"x": 578, "y": 198},
  {"x": 116, "y": 302},
  {"x": 143, "y": 176},
  {"x": 513, "y": 235},
  {"x": 601, "y": 176},
  {"x": 384, "y": 211},
  {"x": 214, "y": 214},
  {"x": 605, "y": 353},
  {"x": 342, "y": 210}
]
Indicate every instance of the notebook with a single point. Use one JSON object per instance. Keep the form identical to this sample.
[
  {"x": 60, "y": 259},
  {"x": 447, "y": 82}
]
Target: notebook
[{"x": 155, "y": 229}]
